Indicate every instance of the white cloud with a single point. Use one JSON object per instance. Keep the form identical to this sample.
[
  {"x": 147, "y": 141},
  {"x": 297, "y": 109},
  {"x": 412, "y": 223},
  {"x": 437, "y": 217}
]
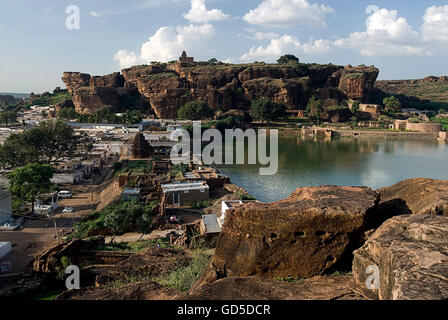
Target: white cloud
[
  {"x": 435, "y": 26},
  {"x": 199, "y": 13},
  {"x": 167, "y": 44},
  {"x": 257, "y": 35},
  {"x": 385, "y": 34},
  {"x": 283, "y": 45},
  {"x": 281, "y": 13}
]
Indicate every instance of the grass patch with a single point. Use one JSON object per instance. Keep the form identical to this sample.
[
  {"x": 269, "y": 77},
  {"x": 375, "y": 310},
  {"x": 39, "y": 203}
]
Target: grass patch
[
  {"x": 183, "y": 278},
  {"x": 136, "y": 246},
  {"x": 140, "y": 166},
  {"x": 52, "y": 99}
]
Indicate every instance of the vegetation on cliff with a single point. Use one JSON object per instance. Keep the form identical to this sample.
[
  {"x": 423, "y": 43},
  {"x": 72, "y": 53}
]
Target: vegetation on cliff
[
  {"x": 266, "y": 110},
  {"x": 196, "y": 110}
]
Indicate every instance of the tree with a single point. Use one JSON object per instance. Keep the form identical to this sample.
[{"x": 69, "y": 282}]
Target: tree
[
  {"x": 67, "y": 114},
  {"x": 133, "y": 117},
  {"x": 266, "y": 110},
  {"x": 213, "y": 61},
  {"x": 30, "y": 181},
  {"x": 8, "y": 117},
  {"x": 47, "y": 144},
  {"x": 392, "y": 104},
  {"x": 287, "y": 58},
  {"x": 314, "y": 109},
  {"x": 196, "y": 110}
]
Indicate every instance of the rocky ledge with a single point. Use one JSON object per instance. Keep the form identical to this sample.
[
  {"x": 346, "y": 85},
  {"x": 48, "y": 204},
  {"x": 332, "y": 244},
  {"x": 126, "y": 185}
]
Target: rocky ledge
[{"x": 167, "y": 87}]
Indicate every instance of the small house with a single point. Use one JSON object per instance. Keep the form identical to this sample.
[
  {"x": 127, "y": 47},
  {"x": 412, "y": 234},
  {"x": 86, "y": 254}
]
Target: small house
[
  {"x": 131, "y": 194},
  {"x": 180, "y": 193}
]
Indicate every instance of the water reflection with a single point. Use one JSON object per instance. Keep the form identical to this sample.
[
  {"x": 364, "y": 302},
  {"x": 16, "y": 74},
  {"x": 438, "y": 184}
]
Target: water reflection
[{"x": 362, "y": 162}]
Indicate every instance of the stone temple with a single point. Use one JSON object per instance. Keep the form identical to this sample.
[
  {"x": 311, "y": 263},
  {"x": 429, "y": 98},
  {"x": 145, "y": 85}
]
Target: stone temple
[{"x": 185, "y": 59}]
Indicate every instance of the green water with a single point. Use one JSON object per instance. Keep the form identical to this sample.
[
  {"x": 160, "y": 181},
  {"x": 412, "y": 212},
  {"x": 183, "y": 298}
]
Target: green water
[{"x": 347, "y": 162}]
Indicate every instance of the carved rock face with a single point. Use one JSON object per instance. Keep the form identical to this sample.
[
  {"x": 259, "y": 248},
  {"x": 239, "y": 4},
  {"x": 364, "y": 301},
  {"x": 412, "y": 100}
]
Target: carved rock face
[
  {"x": 411, "y": 254},
  {"x": 311, "y": 232}
]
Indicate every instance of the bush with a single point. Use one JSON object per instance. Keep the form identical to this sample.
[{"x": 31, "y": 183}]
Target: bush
[
  {"x": 266, "y": 110},
  {"x": 117, "y": 219},
  {"x": 287, "y": 58},
  {"x": 183, "y": 278},
  {"x": 196, "y": 110}
]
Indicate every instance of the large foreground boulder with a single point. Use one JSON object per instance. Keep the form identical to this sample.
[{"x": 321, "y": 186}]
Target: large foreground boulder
[
  {"x": 312, "y": 232},
  {"x": 416, "y": 196},
  {"x": 410, "y": 255},
  {"x": 252, "y": 288}
]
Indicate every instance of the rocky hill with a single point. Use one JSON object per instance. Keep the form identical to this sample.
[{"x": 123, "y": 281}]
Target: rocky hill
[
  {"x": 7, "y": 100},
  {"x": 430, "y": 92},
  {"x": 167, "y": 87}
]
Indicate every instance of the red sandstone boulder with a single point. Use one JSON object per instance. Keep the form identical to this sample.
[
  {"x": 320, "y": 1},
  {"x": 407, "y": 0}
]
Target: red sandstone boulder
[
  {"x": 411, "y": 254},
  {"x": 252, "y": 288},
  {"x": 313, "y": 231},
  {"x": 417, "y": 196}
]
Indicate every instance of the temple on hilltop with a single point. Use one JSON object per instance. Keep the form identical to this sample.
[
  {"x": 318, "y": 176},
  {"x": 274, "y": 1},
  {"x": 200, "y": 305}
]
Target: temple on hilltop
[{"x": 185, "y": 59}]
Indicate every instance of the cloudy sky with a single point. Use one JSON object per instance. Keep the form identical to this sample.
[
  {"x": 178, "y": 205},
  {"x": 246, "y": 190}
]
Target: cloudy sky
[{"x": 405, "y": 39}]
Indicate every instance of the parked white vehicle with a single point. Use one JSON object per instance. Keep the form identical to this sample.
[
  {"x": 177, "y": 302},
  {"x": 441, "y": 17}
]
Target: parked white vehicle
[
  {"x": 68, "y": 210},
  {"x": 65, "y": 194}
]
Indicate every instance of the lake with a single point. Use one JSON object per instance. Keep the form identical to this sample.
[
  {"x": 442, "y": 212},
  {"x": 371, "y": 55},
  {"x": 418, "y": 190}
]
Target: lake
[{"x": 372, "y": 162}]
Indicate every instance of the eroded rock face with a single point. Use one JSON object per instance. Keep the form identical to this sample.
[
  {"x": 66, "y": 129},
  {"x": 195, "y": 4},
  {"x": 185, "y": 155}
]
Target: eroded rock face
[
  {"x": 417, "y": 196},
  {"x": 252, "y": 288},
  {"x": 411, "y": 252},
  {"x": 314, "y": 231},
  {"x": 223, "y": 87}
]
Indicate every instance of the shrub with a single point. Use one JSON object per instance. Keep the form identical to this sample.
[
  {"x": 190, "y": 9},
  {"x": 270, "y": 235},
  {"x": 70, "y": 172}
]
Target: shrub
[
  {"x": 196, "y": 110},
  {"x": 266, "y": 110},
  {"x": 183, "y": 278}
]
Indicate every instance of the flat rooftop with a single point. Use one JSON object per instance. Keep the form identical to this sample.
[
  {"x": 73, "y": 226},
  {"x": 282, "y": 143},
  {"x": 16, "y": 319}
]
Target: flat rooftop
[{"x": 184, "y": 186}]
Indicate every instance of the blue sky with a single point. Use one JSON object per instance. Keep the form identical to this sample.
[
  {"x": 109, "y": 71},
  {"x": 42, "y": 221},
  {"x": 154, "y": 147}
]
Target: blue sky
[{"x": 405, "y": 39}]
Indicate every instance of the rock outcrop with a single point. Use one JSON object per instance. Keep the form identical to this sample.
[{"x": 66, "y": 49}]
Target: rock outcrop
[
  {"x": 417, "y": 196},
  {"x": 312, "y": 232},
  {"x": 6, "y": 100},
  {"x": 252, "y": 288},
  {"x": 167, "y": 87},
  {"x": 411, "y": 254}
]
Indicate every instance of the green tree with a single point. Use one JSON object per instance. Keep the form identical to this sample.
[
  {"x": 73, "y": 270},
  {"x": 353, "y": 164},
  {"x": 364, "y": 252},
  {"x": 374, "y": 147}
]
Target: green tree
[
  {"x": 196, "y": 110},
  {"x": 392, "y": 104},
  {"x": 266, "y": 110},
  {"x": 46, "y": 144},
  {"x": 287, "y": 58},
  {"x": 133, "y": 117},
  {"x": 67, "y": 114},
  {"x": 30, "y": 181},
  {"x": 314, "y": 109},
  {"x": 213, "y": 60},
  {"x": 8, "y": 117}
]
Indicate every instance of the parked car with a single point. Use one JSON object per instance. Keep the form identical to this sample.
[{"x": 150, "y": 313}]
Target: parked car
[
  {"x": 68, "y": 210},
  {"x": 65, "y": 194}
]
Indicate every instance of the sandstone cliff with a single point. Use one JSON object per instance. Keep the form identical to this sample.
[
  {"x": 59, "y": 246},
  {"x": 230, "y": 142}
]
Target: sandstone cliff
[{"x": 167, "y": 87}]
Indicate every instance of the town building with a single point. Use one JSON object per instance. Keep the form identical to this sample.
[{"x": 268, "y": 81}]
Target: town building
[
  {"x": 181, "y": 193},
  {"x": 5, "y": 206},
  {"x": 131, "y": 194},
  {"x": 426, "y": 127}
]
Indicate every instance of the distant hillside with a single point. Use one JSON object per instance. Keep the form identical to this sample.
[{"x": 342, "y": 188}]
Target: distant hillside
[
  {"x": 15, "y": 95},
  {"x": 431, "y": 91}
]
